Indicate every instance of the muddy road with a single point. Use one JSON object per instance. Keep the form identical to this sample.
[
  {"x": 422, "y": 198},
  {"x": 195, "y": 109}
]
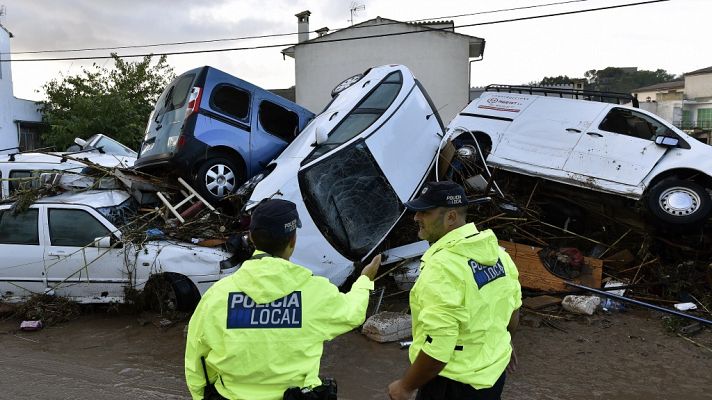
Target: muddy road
[{"x": 618, "y": 356}]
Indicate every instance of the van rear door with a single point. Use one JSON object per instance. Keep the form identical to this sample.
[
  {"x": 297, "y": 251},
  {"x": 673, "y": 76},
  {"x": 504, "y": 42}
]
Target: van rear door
[{"x": 167, "y": 118}]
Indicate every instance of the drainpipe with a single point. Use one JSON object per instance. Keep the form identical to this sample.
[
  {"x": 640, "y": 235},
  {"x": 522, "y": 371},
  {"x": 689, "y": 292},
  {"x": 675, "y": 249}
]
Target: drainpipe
[{"x": 469, "y": 75}]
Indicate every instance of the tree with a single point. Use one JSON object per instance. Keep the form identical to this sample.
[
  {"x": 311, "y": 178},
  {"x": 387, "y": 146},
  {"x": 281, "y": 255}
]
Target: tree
[
  {"x": 624, "y": 80},
  {"x": 115, "y": 102},
  {"x": 556, "y": 80}
]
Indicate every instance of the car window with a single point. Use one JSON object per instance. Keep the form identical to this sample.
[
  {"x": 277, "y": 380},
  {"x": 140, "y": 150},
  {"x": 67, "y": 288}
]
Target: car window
[
  {"x": 231, "y": 101},
  {"x": 631, "y": 123},
  {"x": 20, "y": 228},
  {"x": 351, "y": 201},
  {"x": 20, "y": 180},
  {"x": 278, "y": 121},
  {"x": 177, "y": 93},
  {"x": 366, "y": 113},
  {"x": 111, "y": 146},
  {"x": 63, "y": 230}
]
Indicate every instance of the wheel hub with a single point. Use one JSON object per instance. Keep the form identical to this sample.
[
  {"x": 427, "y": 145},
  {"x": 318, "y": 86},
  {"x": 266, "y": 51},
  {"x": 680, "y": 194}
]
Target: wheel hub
[
  {"x": 220, "y": 180},
  {"x": 679, "y": 201}
]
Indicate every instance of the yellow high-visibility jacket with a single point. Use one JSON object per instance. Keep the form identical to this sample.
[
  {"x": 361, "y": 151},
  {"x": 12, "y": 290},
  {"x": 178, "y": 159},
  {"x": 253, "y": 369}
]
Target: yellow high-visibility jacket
[
  {"x": 262, "y": 329},
  {"x": 461, "y": 304}
]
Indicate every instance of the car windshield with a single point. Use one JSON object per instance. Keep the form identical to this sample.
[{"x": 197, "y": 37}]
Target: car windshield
[
  {"x": 351, "y": 201},
  {"x": 110, "y": 146},
  {"x": 122, "y": 214}
]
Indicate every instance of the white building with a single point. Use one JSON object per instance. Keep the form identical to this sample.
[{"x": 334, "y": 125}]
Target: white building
[
  {"x": 19, "y": 119},
  {"x": 685, "y": 103},
  {"x": 438, "y": 56}
]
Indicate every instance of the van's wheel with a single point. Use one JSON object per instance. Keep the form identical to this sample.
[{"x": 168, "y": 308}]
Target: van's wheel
[
  {"x": 218, "y": 177},
  {"x": 679, "y": 202},
  {"x": 171, "y": 292},
  {"x": 468, "y": 161}
]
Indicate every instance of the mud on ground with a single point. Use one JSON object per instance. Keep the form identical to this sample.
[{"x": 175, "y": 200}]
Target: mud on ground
[{"x": 627, "y": 355}]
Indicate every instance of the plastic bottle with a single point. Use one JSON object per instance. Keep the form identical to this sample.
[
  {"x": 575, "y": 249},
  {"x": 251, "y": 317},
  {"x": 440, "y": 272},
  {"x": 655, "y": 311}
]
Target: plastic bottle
[{"x": 611, "y": 305}]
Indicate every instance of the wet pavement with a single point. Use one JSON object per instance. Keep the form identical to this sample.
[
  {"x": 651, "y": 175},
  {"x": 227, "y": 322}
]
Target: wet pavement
[{"x": 100, "y": 356}]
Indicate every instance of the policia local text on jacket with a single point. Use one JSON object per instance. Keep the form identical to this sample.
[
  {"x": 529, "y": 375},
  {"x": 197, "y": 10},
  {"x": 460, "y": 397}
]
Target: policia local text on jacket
[
  {"x": 461, "y": 305},
  {"x": 261, "y": 330}
]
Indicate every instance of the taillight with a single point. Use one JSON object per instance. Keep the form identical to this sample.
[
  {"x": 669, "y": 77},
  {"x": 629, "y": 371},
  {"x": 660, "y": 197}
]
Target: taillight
[
  {"x": 181, "y": 142},
  {"x": 194, "y": 100}
]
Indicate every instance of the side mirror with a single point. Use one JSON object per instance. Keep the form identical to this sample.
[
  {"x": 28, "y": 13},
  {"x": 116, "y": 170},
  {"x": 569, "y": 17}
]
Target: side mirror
[
  {"x": 81, "y": 142},
  {"x": 322, "y": 134},
  {"x": 668, "y": 141},
  {"x": 102, "y": 242}
]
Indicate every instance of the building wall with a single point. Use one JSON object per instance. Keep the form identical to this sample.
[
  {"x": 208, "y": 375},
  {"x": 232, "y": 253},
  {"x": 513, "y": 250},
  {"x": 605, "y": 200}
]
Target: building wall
[
  {"x": 698, "y": 86},
  {"x": 439, "y": 60},
  {"x": 8, "y": 131}
]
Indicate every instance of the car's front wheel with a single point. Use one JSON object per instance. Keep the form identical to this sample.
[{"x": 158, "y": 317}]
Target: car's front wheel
[
  {"x": 218, "y": 177},
  {"x": 170, "y": 291},
  {"x": 679, "y": 202}
]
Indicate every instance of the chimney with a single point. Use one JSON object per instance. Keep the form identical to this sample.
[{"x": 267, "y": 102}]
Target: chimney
[
  {"x": 303, "y": 25},
  {"x": 322, "y": 31}
]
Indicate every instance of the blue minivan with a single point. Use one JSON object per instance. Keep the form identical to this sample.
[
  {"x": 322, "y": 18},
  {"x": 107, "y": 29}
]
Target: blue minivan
[{"x": 218, "y": 130}]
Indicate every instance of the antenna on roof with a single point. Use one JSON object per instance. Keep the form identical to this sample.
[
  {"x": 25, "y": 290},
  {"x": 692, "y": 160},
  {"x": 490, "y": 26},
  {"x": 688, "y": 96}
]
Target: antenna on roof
[{"x": 355, "y": 8}]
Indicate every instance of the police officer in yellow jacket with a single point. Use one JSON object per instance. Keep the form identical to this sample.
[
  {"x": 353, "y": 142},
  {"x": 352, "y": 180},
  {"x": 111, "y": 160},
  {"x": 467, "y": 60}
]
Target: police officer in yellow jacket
[
  {"x": 464, "y": 304},
  {"x": 261, "y": 330}
]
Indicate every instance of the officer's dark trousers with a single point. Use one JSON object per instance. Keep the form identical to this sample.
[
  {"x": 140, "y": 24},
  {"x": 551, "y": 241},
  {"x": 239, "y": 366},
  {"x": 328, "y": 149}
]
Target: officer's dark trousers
[{"x": 441, "y": 388}]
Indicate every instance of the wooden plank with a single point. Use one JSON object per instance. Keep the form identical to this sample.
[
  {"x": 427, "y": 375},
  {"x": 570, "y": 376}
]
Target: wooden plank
[
  {"x": 539, "y": 302},
  {"x": 534, "y": 275}
]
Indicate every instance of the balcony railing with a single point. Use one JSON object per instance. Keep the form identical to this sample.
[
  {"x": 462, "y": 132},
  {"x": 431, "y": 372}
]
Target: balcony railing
[{"x": 702, "y": 124}]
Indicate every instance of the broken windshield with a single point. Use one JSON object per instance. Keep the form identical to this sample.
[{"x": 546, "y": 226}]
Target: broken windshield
[{"x": 350, "y": 200}]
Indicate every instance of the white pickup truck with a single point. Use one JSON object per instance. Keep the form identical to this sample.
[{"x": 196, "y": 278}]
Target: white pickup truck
[
  {"x": 69, "y": 245},
  {"x": 595, "y": 145}
]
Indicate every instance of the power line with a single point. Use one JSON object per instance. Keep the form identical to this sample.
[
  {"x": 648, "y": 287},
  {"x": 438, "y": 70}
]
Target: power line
[
  {"x": 285, "y": 34},
  {"x": 339, "y": 40}
]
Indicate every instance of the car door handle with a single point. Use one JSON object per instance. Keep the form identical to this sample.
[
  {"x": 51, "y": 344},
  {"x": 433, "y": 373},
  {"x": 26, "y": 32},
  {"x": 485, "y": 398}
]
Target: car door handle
[
  {"x": 594, "y": 134},
  {"x": 573, "y": 130},
  {"x": 59, "y": 253}
]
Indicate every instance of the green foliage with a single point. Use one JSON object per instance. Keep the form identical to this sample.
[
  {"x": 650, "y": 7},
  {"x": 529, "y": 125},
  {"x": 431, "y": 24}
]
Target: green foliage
[
  {"x": 555, "y": 80},
  {"x": 624, "y": 80},
  {"x": 115, "y": 102}
]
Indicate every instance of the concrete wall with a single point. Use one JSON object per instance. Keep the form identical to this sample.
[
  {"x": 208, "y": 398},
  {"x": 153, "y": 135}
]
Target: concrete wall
[
  {"x": 8, "y": 131},
  {"x": 698, "y": 86},
  {"x": 25, "y": 110},
  {"x": 438, "y": 59}
]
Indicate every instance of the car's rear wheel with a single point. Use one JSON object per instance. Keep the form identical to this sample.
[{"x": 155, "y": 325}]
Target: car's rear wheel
[
  {"x": 679, "y": 202},
  {"x": 218, "y": 177}
]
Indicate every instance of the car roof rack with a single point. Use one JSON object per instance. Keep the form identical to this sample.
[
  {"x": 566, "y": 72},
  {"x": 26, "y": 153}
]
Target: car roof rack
[{"x": 592, "y": 95}]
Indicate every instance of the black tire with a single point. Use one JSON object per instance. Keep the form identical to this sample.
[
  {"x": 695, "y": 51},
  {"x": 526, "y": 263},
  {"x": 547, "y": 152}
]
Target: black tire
[
  {"x": 679, "y": 203},
  {"x": 170, "y": 292},
  {"x": 467, "y": 161},
  {"x": 218, "y": 177}
]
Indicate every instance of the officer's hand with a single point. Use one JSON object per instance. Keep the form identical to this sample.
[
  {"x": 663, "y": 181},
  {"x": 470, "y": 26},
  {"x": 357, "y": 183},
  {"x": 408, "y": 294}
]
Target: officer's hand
[
  {"x": 397, "y": 392},
  {"x": 372, "y": 268}
]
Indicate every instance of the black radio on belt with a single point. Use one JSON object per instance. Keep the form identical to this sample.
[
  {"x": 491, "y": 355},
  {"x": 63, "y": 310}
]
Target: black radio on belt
[{"x": 325, "y": 391}]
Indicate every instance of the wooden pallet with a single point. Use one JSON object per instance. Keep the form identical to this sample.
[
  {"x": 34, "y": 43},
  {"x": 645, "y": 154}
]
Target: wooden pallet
[{"x": 534, "y": 275}]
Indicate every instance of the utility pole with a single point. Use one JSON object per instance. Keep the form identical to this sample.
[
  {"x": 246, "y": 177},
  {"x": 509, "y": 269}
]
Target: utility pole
[{"x": 355, "y": 8}]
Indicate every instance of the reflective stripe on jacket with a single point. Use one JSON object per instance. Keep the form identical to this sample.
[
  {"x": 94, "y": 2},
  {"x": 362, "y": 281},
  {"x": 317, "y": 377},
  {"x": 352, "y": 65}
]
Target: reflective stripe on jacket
[
  {"x": 461, "y": 304},
  {"x": 261, "y": 330}
]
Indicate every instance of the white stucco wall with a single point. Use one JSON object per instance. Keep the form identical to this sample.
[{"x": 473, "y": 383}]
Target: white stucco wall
[
  {"x": 438, "y": 59},
  {"x": 698, "y": 86},
  {"x": 8, "y": 131}
]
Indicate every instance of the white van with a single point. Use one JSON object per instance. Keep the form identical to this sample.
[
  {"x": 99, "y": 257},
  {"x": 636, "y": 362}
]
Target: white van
[{"x": 600, "y": 146}]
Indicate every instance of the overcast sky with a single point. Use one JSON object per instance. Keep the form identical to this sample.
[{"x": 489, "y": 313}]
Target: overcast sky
[{"x": 672, "y": 35}]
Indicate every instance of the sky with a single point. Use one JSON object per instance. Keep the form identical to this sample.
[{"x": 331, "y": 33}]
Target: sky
[{"x": 672, "y": 35}]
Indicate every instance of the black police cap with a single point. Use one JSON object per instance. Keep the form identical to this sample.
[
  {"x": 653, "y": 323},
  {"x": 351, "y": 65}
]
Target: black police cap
[
  {"x": 438, "y": 194},
  {"x": 277, "y": 216}
]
